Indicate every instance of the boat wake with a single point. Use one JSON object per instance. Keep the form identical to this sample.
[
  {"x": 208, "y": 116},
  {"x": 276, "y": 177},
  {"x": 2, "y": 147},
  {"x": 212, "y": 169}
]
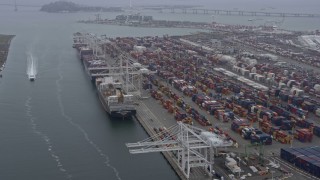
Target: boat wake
[
  {"x": 31, "y": 67},
  {"x": 85, "y": 134},
  {"x": 45, "y": 138}
]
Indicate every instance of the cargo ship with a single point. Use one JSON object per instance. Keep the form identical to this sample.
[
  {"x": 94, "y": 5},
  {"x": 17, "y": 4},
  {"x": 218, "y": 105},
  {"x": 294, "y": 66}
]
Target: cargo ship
[{"x": 115, "y": 102}]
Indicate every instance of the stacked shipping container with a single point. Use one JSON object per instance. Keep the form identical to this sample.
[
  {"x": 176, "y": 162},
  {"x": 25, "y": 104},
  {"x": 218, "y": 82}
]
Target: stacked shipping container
[{"x": 307, "y": 159}]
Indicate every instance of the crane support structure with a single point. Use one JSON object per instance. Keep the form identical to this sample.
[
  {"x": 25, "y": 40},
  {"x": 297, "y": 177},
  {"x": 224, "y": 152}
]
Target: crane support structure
[
  {"x": 122, "y": 67},
  {"x": 189, "y": 147}
]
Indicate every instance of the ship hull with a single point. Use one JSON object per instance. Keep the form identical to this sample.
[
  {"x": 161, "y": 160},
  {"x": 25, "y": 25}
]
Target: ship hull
[
  {"x": 115, "y": 114},
  {"x": 116, "y": 110}
]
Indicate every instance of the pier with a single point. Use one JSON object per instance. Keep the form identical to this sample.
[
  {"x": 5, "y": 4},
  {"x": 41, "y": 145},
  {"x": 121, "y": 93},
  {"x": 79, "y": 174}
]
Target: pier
[
  {"x": 230, "y": 12},
  {"x": 150, "y": 121}
]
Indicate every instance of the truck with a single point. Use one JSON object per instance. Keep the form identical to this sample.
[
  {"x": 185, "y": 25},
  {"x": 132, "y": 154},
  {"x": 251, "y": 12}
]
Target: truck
[
  {"x": 252, "y": 117},
  {"x": 261, "y": 138},
  {"x": 238, "y": 125},
  {"x": 303, "y": 135},
  {"x": 282, "y": 137},
  {"x": 316, "y": 131},
  {"x": 248, "y": 131},
  {"x": 283, "y": 122},
  {"x": 231, "y": 164}
]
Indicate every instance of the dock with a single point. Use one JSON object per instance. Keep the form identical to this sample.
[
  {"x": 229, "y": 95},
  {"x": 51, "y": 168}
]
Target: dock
[{"x": 149, "y": 120}]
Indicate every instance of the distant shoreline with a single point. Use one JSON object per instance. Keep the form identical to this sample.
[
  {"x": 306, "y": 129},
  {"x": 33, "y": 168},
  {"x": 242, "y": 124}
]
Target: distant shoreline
[{"x": 5, "y": 41}]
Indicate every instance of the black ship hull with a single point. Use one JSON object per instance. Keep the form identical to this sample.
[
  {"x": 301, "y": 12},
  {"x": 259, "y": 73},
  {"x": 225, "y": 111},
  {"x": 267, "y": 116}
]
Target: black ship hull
[{"x": 116, "y": 114}]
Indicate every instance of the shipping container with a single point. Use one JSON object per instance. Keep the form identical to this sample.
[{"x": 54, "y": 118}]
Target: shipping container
[
  {"x": 261, "y": 138},
  {"x": 316, "y": 131}
]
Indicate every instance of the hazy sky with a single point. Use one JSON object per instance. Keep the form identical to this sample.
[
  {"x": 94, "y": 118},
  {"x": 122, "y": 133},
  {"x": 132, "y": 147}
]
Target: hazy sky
[
  {"x": 294, "y": 5},
  {"x": 200, "y": 2}
]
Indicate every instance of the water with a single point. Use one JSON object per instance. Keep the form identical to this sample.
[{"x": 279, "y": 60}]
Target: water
[
  {"x": 31, "y": 65},
  {"x": 55, "y": 127},
  {"x": 288, "y": 23}
]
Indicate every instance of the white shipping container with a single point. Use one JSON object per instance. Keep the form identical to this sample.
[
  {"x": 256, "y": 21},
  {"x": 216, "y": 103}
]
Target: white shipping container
[
  {"x": 246, "y": 72},
  {"x": 282, "y": 85},
  {"x": 139, "y": 48},
  {"x": 260, "y": 78},
  {"x": 144, "y": 70},
  {"x": 296, "y": 91},
  {"x": 242, "y": 71},
  {"x": 254, "y": 70},
  {"x": 317, "y": 87},
  {"x": 251, "y": 75},
  {"x": 271, "y": 75},
  {"x": 318, "y": 112},
  {"x": 290, "y": 82}
]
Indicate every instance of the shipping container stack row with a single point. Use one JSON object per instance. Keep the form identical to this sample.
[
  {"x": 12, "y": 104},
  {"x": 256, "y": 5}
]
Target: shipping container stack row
[
  {"x": 181, "y": 110},
  {"x": 171, "y": 46},
  {"x": 275, "y": 125},
  {"x": 284, "y": 122},
  {"x": 182, "y": 70},
  {"x": 293, "y": 84},
  {"x": 185, "y": 112},
  {"x": 255, "y": 136},
  {"x": 307, "y": 159},
  {"x": 241, "y": 110},
  {"x": 299, "y": 73}
]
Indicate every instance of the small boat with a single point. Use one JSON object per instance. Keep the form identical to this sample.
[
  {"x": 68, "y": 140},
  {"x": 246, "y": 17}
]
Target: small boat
[
  {"x": 31, "y": 77},
  {"x": 31, "y": 68}
]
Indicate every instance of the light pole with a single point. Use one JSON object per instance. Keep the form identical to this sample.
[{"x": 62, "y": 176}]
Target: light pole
[
  {"x": 272, "y": 174},
  {"x": 239, "y": 165}
]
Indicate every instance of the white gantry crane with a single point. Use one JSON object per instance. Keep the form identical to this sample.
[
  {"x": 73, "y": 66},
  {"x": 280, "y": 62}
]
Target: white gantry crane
[
  {"x": 121, "y": 68},
  {"x": 129, "y": 73},
  {"x": 191, "y": 146}
]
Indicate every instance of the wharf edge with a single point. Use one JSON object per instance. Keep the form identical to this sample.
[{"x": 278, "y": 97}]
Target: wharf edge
[{"x": 149, "y": 131}]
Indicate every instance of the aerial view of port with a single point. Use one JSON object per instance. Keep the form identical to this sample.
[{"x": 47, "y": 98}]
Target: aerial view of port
[{"x": 160, "y": 90}]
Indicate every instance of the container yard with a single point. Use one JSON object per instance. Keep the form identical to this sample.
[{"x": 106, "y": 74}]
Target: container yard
[{"x": 251, "y": 103}]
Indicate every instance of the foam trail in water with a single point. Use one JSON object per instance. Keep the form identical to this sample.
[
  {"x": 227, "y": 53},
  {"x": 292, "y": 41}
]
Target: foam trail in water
[
  {"x": 45, "y": 138},
  {"x": 31, "y": 64},
  {"x": 85, "y": 134}
]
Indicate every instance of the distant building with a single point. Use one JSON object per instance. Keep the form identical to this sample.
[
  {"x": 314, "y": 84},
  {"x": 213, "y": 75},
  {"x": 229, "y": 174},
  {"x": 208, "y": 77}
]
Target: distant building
[
  {"x": 134, "y": 18},
  {"x": 216, "y": 43},
  {"x": 229, "y": 50}
]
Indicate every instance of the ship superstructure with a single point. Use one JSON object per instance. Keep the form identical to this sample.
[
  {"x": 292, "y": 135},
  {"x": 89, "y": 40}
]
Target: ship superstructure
[
  {"x": 117, "y": 77},
  {"x": 113, "y": 97}
]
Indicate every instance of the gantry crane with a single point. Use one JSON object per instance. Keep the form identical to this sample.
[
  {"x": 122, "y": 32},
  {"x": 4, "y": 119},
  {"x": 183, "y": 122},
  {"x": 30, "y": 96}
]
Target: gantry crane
[
  {"x": 186, "y": 142},
  {"x": 122, "y": 68}
]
